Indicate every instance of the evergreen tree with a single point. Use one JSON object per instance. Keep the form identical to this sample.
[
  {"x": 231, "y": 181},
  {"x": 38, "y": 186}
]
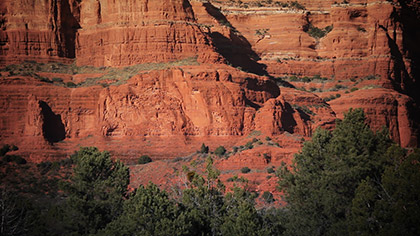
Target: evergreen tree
[
  {"x": 95, "y": 192},
  {"x": 204, "y": 202},
  {"x": 389, "y": 205},
  {"x": 321, "y": 183},
  {"x": 149, "y": 212},
  {"x": 241, "y": 217}
]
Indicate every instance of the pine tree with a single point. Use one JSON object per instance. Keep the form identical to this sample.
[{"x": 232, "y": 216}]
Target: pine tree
[
  {"x": 149, "y": 211},
  {"x": 321, "y": 183},
  {"x": 95, "y": 192}
]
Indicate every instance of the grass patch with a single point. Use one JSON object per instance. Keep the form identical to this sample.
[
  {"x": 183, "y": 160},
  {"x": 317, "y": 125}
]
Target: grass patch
[{"x": 110, "y": 76}]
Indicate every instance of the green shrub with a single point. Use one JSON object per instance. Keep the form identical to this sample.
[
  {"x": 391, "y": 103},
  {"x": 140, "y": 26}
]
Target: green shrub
[
  {"x": 204, "y": 148},
  {"x": 268, "y": 197},
  {"x": 316, "y": 32},
  {"x": 14, "y": 148},
  {"x": 267, "y": 138},
  {"x": 361, "y": 29},
  {"x": 15, "y": 158},
  {"x": 267, "y": 157},
  {"x": 249, "y": 145},
  {"x": 353, "y": 89},
  {"x": 71, "y": 85},
  {"x": 270, "y": 170},
  {"x": 57, "y": 80},
  {"x": 220, "y": 151},
  {"x": 144, "y": 159},
  {"x": 5, "y": 149},
  {"x": 245, "y": 170}
]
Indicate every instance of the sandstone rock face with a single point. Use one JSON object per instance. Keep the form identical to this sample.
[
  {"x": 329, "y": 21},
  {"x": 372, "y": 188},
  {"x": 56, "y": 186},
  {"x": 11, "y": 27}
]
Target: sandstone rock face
[
  {"x": 367, "y": 38},
  {"x": 101, "y": 33},
  {"x": 37, "y": 30},
  {"x": 384, "y": 108}
]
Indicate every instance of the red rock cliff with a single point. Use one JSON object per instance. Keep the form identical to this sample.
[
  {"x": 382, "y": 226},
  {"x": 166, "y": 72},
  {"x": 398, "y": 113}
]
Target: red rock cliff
[{"x": 367, "y": 56}]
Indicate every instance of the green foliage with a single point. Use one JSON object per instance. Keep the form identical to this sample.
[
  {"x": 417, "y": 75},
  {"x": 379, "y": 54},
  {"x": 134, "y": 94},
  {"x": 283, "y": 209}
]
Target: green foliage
[
  {"x": 268, "y": 197},
  {"x": 57, "y": 80},
  {"x": 267, "y": 157},
  {"x": 261, "y": 32},
  {"x": 18, "y": 216},
  {"x": 220, "y": 151},
  {"x": 316, "y": 32},
  {"x": 15, "y": 158},
  {"x": 204, "y": 148},
  {"x": 149, "y": 211},
  {"x": 389, "y": 205},
  {"x": 204, "y": 202},
  {"x": 5, "y": 149},
  {"x": 321, "y": 183},
  {"x": 144, "y": 159},
  {"x": 109, "y": 75},
  {"x": 361, "y": 29},
  {"x": 245, "y": 170},
  {"x": 95, "y": 192},
  {"x": 71, "y": 85},
  {"x": 241, "y": 217},
  {"x": 353, "y": 89},
  {"x": 270, "y": 170}
]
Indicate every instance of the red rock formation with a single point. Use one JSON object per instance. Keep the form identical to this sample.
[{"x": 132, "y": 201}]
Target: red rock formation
[
  {"x": 196, "y": 102},
  {"x": 384, "y": 108}
]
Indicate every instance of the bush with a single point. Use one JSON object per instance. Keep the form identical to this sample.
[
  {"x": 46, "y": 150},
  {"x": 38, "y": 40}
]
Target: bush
[
  {"x": 220, "y": 151},
  {"x": 316, "y": 32},
  {"x": 267, "y": 157},
  {"x": 361, "y": 29},
  {"x": 204, "y": 148},
  {"x": 57, "y": 80},
  {"x": 71, "y": 85},
  {"x": 353, "y": 89},
  {"x": 14, "y": 148},
  {"x": 268, "y": 197},
  {"x": 270, "y": 170},
  {"x": 144, "y": 159},
  {"x": 5, "y": 149},
  {"x": 249, "y": 145},
  {"x": 16, "y": 159},
  {"x": 245, "y": 170}
]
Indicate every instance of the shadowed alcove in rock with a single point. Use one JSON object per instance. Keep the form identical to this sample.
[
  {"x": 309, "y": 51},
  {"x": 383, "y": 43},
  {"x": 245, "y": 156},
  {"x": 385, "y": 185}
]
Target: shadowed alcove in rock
[{"x": 52, "y": 127}]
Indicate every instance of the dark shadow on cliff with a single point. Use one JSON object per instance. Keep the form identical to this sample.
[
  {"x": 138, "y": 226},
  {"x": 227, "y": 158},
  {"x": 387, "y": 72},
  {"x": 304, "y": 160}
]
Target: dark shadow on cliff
[
  {"x": 236, "y": 48},
  {"x": 407, "y": 79},
  {"x": 52, "y": 127},
  {"x": 263, "y": 86},
  {"x": 287, "y": 120},
  {"x": 65, "y": 24}
]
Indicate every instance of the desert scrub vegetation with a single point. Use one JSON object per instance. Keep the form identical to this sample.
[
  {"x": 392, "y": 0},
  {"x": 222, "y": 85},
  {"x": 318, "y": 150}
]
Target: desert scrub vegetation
[
  {"x": 107, "y": 75},
  {"x": 316, "y": 32},
  {"x": 303, "y": 109},
  {"x": 144, "y": 159},
  {"x": 332, "y": 97},
  {"x": 305, "y": 79},
  {"x": 265, "y": 3}
]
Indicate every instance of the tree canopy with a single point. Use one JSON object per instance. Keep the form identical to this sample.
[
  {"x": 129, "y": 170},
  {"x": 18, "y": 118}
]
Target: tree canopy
[{"x": 321, "y": 183}]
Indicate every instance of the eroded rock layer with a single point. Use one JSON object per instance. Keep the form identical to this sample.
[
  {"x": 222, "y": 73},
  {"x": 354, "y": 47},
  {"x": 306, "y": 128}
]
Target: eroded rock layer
[{"x": 158, "y": 77}]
